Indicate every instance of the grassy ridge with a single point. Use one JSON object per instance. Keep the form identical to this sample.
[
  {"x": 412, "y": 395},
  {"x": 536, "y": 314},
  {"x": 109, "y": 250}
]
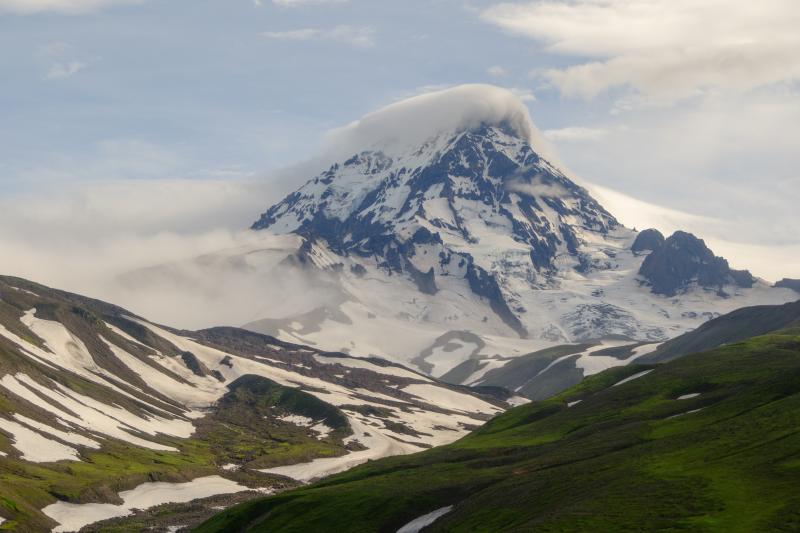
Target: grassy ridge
[{"x": 630, "y": 457}]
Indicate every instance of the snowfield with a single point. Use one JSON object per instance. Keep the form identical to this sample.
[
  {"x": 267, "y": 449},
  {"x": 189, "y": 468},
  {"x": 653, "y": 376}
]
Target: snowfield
[
  {"x": 36, "y": 447},
  {"x": 72, "y": 517}
]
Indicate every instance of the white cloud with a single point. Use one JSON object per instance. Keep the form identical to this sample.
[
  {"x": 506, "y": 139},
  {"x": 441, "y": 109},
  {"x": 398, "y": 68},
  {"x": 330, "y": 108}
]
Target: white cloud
[
  {"x": 665, "y": 49},
  {"x": 417, "y": 119},
  {"x": 64, "y": 70},
  {"x": 496, "y": 71},
  {"x": 709, "y": 89},
  {"x": 70, "y": 7},
  {"x": 362, "y": 37},
  {"x": 61, "y": 56},
  {"x": 636, "y": 213},
  {"x": 771, "y": 262},
  {"x": 525, "y": 95},
  {"x": 575, "y": 134},
  {"x": 82, "y": 222}
]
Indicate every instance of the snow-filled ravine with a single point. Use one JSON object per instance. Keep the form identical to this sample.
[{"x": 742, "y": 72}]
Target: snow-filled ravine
[{"x": 378, "y": 446}]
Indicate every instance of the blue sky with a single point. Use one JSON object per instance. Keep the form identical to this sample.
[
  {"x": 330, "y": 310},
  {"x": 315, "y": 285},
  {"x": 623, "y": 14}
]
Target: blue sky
[
  {"x": 683, "y": 113},
  {"x": 202, "y": 81}
]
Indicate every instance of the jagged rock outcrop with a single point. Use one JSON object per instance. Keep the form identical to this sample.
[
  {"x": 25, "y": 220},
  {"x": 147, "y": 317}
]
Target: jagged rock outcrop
[
  {"x": 647, "y": 241},
  {"x": 684, "y": 260}
]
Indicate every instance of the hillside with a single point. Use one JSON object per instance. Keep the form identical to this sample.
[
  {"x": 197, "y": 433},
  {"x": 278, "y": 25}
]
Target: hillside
[
  {"x": 733, "y": 327},
  {"x": 544, "y": 373},
  {"x": 103, "y": 412},
  {"x": 708, "y": 442}
]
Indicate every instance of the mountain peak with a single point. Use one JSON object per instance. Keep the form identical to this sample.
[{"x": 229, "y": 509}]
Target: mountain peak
[
  {"x": 443, "y": 213},
  {"x": 461, "y": 187},
  {"x": 458, "y": 206}
]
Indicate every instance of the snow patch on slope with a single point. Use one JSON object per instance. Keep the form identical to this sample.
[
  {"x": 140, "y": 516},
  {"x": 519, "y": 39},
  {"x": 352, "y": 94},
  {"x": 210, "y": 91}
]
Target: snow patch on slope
[
  {"x": 94, "y": 416},
  {"x": 631, "y": 378},
  {"x": 35, "y": 447},
  {"x": 421, "y": 522},
  {"x": 72, "y": 517},
  {"x": 378, "y": 445}
]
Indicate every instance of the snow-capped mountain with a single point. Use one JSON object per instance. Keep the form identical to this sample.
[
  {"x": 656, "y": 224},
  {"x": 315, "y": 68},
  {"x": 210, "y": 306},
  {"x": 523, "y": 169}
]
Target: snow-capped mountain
[
  {"x": 98, "y": 404},
  {"x": 459, "y": 206},
  {"x": 443, "y": 235},
  {"x": 470, "y": 244}
]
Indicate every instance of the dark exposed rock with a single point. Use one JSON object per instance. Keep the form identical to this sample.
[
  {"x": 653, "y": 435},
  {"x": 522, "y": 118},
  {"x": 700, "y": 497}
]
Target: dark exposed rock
[
  {"x": 193, "y": 363},
  {"x": 648, "y": 240},
  {"x": 788, "y": 283},
  {"x": 484, "y": 284},
  {"x": 684, "y": 259},
  {"x": 447, "y": 343},
  {"x": 426, "y": 281},
  {"x": 424, "y": 236},
  {"x": 358, "y": 270}
]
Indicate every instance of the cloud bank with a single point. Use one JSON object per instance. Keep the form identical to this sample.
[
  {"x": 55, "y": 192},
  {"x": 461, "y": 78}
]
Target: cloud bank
[
  {"x": 665, "y": 49},
  {"x": 80, "y": 236}
]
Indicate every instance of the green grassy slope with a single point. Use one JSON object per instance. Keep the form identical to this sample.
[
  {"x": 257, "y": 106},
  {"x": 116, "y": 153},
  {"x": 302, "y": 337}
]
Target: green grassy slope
[{"x": 631, "y": 457}]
